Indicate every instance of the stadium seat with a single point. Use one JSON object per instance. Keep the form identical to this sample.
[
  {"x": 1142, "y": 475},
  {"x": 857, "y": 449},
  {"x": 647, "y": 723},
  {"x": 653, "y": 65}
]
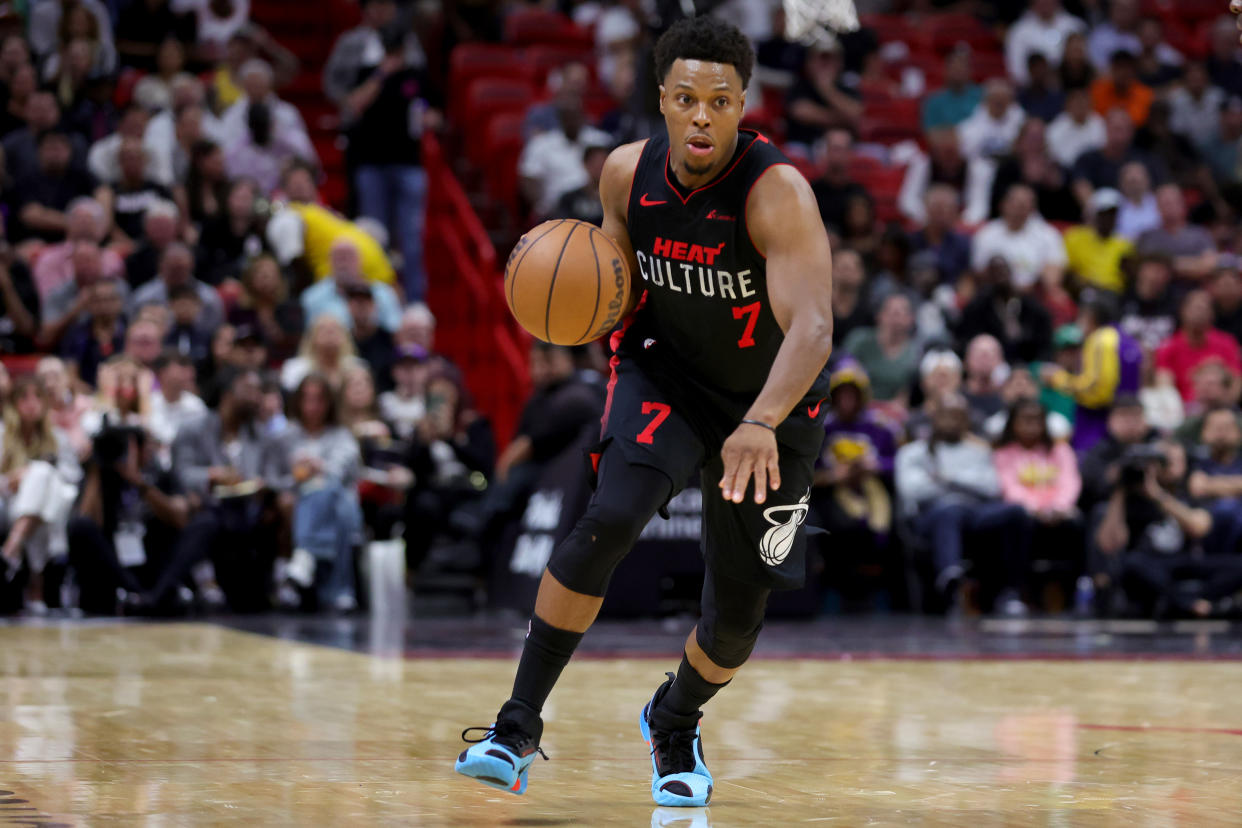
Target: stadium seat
[
  {"x": 887, "y": 122},
  {"x": 487, "y": 97},
  {"x": 530, "y": 26},
  {"x": 502, "y": 146},
  {"x": 471, "y": 61},
  {"x": 543, "y": 58}
]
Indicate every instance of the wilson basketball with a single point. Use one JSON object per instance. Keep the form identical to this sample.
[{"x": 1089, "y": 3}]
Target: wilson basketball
[{"x": 567, "y": 282}]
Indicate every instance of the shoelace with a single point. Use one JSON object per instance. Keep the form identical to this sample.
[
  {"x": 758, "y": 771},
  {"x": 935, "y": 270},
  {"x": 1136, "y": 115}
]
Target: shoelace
[
  {"x": 507, "y": 733},
  {"x": 675, "y": 751}
]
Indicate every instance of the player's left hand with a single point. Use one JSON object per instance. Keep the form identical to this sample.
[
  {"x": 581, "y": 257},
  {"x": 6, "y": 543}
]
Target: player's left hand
[{"x": 749, "y": 452}]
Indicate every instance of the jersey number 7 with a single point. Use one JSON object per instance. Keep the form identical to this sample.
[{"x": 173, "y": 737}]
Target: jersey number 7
[
  {"x": 751, "y": 313},
  {"x": 661, "y": 412}
]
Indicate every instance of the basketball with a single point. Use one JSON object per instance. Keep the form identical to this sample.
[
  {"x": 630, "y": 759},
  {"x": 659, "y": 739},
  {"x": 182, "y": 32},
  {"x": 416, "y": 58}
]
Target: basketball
[{"x": 567, "y": 282}]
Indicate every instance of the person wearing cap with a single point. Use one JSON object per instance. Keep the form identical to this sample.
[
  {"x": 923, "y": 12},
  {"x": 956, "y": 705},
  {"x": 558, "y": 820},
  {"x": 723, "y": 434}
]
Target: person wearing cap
[
  {"x": 1066, "y": 355},
  {"x": 405, "y": 405},
  {"x": 1095, "y": 251},
  {"x": 1112, "y": 363},
  {"x": 849, "y": 493}
]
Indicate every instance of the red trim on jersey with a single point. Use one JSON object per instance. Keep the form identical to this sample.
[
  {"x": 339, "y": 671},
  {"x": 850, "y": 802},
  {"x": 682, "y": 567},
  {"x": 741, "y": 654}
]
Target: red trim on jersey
[
  {"x": 633, "y": 175},
  {"x": 615, "y": 342},
  {"x": 668, "y": 153},
  {"x": 746, "y": 200}
]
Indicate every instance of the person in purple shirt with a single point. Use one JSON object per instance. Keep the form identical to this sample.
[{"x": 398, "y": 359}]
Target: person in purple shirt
[{"x": 853, "y": 475}]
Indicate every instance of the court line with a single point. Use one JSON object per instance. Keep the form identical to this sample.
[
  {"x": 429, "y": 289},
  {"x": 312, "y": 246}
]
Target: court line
[
  {"x": 418, "y": 653},
  {"x": 1224, "y": 731}
]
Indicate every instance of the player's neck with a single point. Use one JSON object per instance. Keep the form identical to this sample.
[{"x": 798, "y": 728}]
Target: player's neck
[{"x": 692, "y": 181}]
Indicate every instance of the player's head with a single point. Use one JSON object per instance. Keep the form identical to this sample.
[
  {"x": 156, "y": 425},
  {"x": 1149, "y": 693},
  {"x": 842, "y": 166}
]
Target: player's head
[{"x": 703, "y": 65}]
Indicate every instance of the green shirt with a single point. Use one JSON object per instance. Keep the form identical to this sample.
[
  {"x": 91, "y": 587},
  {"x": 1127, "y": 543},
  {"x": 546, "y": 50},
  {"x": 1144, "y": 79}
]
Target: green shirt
[{"x": 889, "y": 377}]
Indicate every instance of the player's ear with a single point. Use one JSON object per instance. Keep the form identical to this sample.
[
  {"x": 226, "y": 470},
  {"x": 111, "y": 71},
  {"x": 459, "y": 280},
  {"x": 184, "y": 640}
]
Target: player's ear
[
  {"x": 742, "y": 102},
  {"x": 663, "y": 93}
]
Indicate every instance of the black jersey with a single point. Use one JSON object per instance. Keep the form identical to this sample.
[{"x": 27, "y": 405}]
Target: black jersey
[{"x": 706, "y": 316}]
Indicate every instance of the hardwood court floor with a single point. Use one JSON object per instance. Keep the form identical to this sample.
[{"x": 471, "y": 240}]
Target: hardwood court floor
[{"x": 185, "y": 724}]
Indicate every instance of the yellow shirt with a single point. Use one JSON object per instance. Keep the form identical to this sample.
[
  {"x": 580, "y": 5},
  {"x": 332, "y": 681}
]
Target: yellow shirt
[
  {"x": 227, "y": 92},
  {"x": 321, "y": 227},
  {"x": 1097, "y": 261},
  {"x": 1101, "y": 370}
]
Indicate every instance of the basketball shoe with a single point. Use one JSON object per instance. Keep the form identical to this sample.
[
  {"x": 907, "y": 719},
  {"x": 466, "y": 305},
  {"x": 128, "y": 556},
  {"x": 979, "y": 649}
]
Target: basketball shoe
[
  {"x": 679, "y": 776},
  {"x": 502, "y": 756}
]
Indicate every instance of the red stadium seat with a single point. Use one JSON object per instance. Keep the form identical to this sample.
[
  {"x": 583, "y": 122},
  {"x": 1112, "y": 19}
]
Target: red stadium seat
[
  {"x": 947, "y": 30},
  {"x": 888, "y": 122},
  {"x": 542, "y": 59},
  {"x": 984, "y": 65},
  {"x": 487, "y": 97},
  {"x": 529, "y": 26},
  {"x": 503, "y": 145},
  {"x": 471, "y": 61},
  {"x": 862, "y": 165}
]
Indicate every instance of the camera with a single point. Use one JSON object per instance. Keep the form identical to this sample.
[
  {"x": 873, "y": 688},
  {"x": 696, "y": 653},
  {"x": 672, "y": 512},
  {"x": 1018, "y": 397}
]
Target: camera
[
  {"x": 111, "y": 444},
  {"x": 1135, "y": 462}
]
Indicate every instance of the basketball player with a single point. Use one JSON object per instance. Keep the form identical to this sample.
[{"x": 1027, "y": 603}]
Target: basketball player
[{"x": 719, "y": 370}]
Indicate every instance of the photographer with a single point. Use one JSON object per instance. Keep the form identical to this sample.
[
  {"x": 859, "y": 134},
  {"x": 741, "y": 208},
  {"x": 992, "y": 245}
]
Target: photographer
[
  {"x": 1150, "y": 539},
  {"x": 130, "y": 515},
  {"x": 1101, "y": 466}
]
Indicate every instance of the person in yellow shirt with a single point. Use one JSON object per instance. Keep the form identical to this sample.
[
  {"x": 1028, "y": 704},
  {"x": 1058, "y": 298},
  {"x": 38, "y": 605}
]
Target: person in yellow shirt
[{"x": 1095, "y": 251}]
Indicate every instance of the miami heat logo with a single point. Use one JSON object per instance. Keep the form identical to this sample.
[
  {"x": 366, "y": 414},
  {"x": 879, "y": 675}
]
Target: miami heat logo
[{"x": 777, "y": 542}]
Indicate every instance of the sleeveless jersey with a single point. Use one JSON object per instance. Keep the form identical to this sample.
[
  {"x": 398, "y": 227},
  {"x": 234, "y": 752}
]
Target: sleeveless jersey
[{"x": 706, "y": 317}]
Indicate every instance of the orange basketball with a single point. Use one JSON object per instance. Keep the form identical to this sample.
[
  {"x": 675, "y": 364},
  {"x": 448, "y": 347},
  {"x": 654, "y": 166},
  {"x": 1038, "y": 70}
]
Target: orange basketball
[{"x": 567, "y": 282}]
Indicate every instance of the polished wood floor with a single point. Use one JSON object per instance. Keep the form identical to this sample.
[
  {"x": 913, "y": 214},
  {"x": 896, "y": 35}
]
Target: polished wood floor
[{"x": 195, "y": 724}]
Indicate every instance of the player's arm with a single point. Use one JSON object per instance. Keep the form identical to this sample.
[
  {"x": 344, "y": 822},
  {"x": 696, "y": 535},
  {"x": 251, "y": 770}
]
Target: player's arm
[
  {"x": 614, "y": 193},
  {"x": 784, "y": 224}
]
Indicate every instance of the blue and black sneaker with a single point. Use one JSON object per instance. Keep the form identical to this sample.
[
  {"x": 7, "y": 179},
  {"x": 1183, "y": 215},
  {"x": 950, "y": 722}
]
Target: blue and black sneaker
[
  {"x": 679, "y": 776},
  {"x": 502, "y": 756}
]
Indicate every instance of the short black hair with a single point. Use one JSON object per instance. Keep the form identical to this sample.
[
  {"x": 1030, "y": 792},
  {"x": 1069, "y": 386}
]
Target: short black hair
[{"x": 704, "y": 38}]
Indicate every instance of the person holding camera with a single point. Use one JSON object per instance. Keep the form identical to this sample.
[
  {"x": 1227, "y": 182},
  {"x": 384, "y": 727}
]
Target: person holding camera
[{"x": 129, "y": 518}]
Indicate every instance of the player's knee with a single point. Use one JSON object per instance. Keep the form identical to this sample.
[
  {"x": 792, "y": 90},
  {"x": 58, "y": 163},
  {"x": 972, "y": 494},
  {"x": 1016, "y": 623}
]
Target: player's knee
[
  {"x": 728, "y": 642},
  {"x": 585, "y": 561}
]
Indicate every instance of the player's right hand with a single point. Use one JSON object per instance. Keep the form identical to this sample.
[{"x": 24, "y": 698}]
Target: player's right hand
[{"x": 749, "y": 452}]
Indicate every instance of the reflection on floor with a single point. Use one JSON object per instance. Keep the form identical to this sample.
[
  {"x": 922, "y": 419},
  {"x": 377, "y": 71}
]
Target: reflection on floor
[{"x": 192, "y": 723}]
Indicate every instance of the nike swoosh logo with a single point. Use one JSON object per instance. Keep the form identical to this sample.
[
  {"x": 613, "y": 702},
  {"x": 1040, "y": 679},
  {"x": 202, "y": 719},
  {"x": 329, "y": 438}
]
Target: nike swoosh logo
[
  {"x": 645, "y": 202},
  {"x": 813, "y": 411}
]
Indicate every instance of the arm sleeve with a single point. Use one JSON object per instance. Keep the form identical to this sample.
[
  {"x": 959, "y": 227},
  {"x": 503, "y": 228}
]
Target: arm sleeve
[
  {"x": 1101, "y": 371},
  {"x": 913, "y": 186},
  {"x": 284, "y": 234}
]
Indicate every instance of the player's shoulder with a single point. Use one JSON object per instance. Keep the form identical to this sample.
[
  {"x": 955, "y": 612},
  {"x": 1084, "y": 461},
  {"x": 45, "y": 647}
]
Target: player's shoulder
[{"x": 619, "y": 170}]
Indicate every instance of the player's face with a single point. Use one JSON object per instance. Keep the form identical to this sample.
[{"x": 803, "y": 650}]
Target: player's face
[{"x": 702, "y": 104}]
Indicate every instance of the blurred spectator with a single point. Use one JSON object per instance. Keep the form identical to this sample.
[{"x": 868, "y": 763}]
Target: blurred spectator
[
  {"x": 1223, "y": 64},
  {"x": 618, "y": 33},
  {"x": 21, "y": 146},
  {"x": 1149, "y": 311},
  {"x": 985, "y": 373},
  {"x": 1121, "y": 89},
  {"x": 1175, "y": 152},
  {"x": 888, "y": 352},
  {"x": 1138, "y": 212},
  {"x": 123, "y": 397},
  {"x": 65, "y": 408},
  {"x": 1021, "y": 237},
  {"x": 1101, "y": 465},
  {"x": 283, "y": 121},
  {"x": 850, "y": 495},
  {"x": 1041, "y": 30},
  {"x": 1190, "y": 247},
  {"x": 143, "y": 25},
  {"x": 89, "y": 342},
  {"x": 39, "y": 476},
  {"x": 820, "y": 99},
  {"x": 327, "y": 520},
  {"x": 303, "y": 233},
  {"x": 1095, "y": 251},
  {"x": 1196, "y": 104},
  {"x": 418, "y": 327},
  {"x": 1225, "y": 288},
  {"x": 1102, "y": 167},
  {"x": 1215, "y": 386},
  {"x": 144, "y": 340},
  {"x": 85, "y": 221},
  {"x": 939, "y": 235},
  {"x": 940, "y": 372},
  {"x": 170, "y": 64},
  {"x": 331, "y": 295},
  {"x": 958, "y": 98},
  {"x": 835, "y": 186},
  {"x": 1030, "y": 163},
  {"x": 233, "y": 237},
  {"x": 992, "y": 128},
  {"x": 943, "y": 164},
  {"x": 860, "y": 229},
  {"x": 44, "y": 191},
  {"x": 1119, "y": 33},
  {"x": 584, "y": 203},
  {"x": 1216, "y": 481},
  {"x": 1017, "y": 320},
  {"x": 1076, "y": 69},
  {"x": 21, "y": 85},
  {"x": 1040, "y": 475},
  {"x": 1159, "y": 64},
  {"x": 405, "y": 405},
  {"x": 244, "y": 44},
  {"x": 19, "y": 305},
  {"x": 1075, "y": 131},
  {"x": 173, "y": 405},
  {"x": 67, "y": 304},
  {"x": 1111, "y": 366},
  {"x": 264, "y": 148},
  {"x": 551, "y": 162},
  {"x": 133, "y": 193},
  {"x": 1195, "y": 342},
  {"x": 949, "y": 491},
  {"x": 573, "y": 80},
  {"x": 177, "y": 268},
  {"x": 103, "y": 159},
  {"x": 53, "y": 24},
  {"x": 1040, "y": 97},
  {"x": 1020, "y": 387},
  {"x": 326, "y": 349},
  {"x": 375, "y": 343},
  {"x": 1220, "y": 148},
  {"x": 176, "y": 128},
  {"x": 264, "y": 305},
  {"x": 206, "y": 181},
  {"x": 184, "y": 334},
  {"x": 850, "y": 309},
  {"x": 159, "y": 229}
]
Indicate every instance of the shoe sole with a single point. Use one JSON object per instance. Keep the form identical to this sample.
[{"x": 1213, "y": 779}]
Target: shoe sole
[{"x": 645, "y": 730}]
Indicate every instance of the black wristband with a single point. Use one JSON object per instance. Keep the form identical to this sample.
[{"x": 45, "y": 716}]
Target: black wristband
[{"x": 760, "y": 423}]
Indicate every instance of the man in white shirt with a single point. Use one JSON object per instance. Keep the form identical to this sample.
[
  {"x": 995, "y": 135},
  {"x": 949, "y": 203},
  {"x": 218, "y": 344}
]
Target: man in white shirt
[
  {"x": 176, "y": 129},
  {"x": 991, "y": 130},
  {"x": 1043, "y": 29},
  {"x": 1196, "y": 104},
  {"x": 257, "y": 80},
  {"x": 1076, "y": 130},
  {"x": 1021, "y": 237},
  {"x": 552, "y": 162},
  {"x": 1117, "y": 34},
  {"x": 173, "y": 405},
  {"x": 1138, "y": 212}
]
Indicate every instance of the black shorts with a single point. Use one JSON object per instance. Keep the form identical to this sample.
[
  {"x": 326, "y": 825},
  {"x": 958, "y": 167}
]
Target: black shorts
[{"x": 679, "y": 427}]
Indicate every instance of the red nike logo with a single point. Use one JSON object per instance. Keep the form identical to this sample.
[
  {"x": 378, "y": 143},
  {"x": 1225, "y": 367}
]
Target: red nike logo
[
  {"x": 813, "y": 410},
  {"x": 719, "y": 216},
  {"x": 646, "y": 202}
]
